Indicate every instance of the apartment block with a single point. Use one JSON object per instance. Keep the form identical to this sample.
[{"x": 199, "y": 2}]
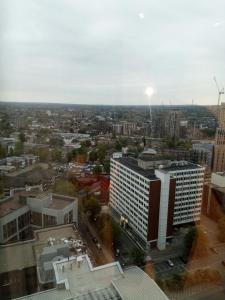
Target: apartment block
[{"x": 152, "y": 196}]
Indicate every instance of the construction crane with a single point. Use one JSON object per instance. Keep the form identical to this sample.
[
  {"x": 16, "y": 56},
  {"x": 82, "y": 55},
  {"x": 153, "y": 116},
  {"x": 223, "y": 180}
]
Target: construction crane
[{"x": 220, "y": 92}]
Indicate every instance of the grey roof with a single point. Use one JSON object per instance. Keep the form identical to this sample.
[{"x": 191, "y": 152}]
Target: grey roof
[
  {"x": 132, "y": 164},
  {"x": 108, "y": 293},
  {"x": 136, "y": 284},
  {"x": 186, "y": 166}
]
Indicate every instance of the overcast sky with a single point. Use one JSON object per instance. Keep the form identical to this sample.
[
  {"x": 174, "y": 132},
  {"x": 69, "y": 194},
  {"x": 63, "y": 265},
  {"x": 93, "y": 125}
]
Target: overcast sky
[{"x": 110, "y": 51}]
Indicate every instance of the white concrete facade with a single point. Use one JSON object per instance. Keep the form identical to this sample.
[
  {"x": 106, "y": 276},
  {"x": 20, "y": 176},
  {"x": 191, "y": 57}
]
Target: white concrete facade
[
  {"x": 163, "y": 210},
  {"x": 188, "y": 198},
  {"x": 129, "y": 196}
]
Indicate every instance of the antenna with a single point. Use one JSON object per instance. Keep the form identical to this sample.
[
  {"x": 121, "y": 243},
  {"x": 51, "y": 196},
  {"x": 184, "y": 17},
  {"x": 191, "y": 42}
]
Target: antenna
[{"x": 220, "y": 92}]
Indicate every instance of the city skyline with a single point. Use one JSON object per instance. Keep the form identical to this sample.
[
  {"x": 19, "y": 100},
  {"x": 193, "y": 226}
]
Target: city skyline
[{"x": 98, "y": 53}]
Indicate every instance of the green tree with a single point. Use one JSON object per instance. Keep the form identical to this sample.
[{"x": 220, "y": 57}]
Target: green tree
[
  {"x": 196, "y": 242},
  {"x": 18, "y": 148},
  {"x": 64, "y": 187},
  {"x": 56, "y": 142},
  {"x": 107, "y": 166},
  {"x": 93, "y": 156},
  {"x": 138, "y": 257},
  {"x": 3, "y": 152},
  {"x": 97, "y": 170},
  {"x": 56, "y": 155},
  {"x": 22, "y": 137},
  {"x": 101, "y": 153},
  {"x": 43, "y": 154},
  {"x": 92, "y": 207}
]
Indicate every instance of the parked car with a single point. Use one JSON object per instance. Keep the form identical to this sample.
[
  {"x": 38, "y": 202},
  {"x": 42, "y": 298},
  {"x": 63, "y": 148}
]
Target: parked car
[{"x": 170, "y": 263}]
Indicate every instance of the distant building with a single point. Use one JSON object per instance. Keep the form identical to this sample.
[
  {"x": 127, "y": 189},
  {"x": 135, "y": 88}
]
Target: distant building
[
  {"x": 219, "y": 151},
  {"x": 202, "y": 154},
  {"x": 150, "y": 196},
  {"x": 222, "y": 115},
  {"x": 172, "y": 123},
  {"x": 27, "y": 210}
]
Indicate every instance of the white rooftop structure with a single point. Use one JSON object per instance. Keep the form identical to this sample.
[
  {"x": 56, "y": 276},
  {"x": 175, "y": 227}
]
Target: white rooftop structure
[{"x": 77, "y": 279}]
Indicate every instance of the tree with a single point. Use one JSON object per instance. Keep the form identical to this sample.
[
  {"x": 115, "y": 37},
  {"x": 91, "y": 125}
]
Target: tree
[
  {"x": 43, "y": 154},
  {"x": 107, "y": 166},
  {"x": 56, "y": 142},
  {"x": 22, "y": 137},
  {"x": 138, "y": 257},
  {"x": 64, "y": 187},
  {"x": 56, "y": 155},
  {"x": 196, "y": 242},
  {"x": 18, "y": 148},
  {"x": 93, "y": 156},
  {"x": 92, "y": 207},
  {"x": 2, "y": 152},
  {"x": 101, "y": 153},
  {"x": 97, "y": 170}
]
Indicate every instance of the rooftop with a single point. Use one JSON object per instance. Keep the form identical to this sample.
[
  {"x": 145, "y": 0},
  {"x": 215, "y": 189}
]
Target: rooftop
[
  {"x": 60, "y": 202},
  {"x": 182, "y": 165},
  {"x": 132, "y": 164},
  {"x": 9, "y": 205},
  {"x": 77, "y": 279},
  {"x": 12, "y": 256},
  {"x": 14, "y": 202}
]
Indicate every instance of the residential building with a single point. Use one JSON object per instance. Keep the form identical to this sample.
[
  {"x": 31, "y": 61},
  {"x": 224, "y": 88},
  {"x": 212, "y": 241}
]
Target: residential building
[
  {"x": 152, "y": 195},
  {"x": 27, "y": 210}
]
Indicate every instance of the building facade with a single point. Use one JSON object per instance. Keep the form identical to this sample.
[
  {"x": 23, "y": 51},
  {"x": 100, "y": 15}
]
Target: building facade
[
  {"x": 152, "y": 198},
  {"x": 22, "y": 212},
  {"x": 219, "y": 151}
]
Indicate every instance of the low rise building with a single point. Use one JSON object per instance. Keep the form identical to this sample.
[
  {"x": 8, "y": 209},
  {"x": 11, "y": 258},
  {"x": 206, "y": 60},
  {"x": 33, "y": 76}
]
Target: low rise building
[
  {"x": 24, "y": 211},
  {"x": 76, "y": 278}
]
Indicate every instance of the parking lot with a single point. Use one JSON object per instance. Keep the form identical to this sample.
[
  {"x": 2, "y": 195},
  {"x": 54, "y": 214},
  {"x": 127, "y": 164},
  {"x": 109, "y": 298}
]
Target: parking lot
[{"x": 163, "y": 270}]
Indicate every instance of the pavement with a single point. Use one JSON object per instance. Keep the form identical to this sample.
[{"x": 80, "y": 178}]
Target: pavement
[{"x": 163, "y": 270}]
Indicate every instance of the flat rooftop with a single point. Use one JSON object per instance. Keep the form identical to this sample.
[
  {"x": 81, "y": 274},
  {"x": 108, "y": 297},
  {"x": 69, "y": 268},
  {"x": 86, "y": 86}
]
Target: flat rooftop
[
  {"x": 9, "y": 205},
  {"x": 21, "y": 255},
  {"x": 132, "y": 164},
  {"x": 60, "y": 202},
  {"x": 76, "y": 279},
  {"x": 184, "y": 166}
]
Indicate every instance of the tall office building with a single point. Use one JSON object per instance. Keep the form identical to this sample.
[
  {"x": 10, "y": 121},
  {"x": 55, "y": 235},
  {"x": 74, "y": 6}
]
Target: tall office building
[{"x": 152, "y": 196}]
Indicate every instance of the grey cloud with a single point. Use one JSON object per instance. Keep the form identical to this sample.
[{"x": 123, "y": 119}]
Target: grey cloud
[{"x": 102, "y": 52}]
